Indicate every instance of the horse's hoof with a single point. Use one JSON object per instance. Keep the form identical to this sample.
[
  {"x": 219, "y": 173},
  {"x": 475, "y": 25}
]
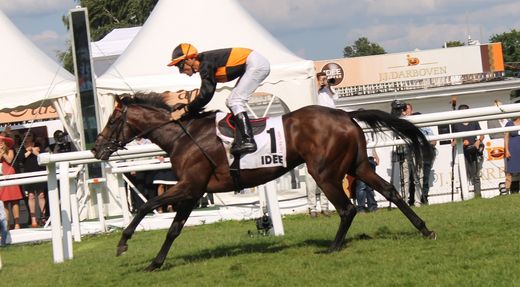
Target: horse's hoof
[
  {"x": 121, "y": 249},
  {"x": 152, "y": 267},
  {"x": 330, "y": 250},
  {"x": 432, "y": 235}
]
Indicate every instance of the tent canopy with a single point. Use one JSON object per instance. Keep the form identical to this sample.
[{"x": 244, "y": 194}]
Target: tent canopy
[
  {"x": 218, "y": 24},
  {"x": 28, "y": 75}
]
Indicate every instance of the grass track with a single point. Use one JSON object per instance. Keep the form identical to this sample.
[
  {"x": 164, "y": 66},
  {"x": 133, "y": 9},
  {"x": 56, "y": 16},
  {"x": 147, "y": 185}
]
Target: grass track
[{"x": 478, "y": 245}]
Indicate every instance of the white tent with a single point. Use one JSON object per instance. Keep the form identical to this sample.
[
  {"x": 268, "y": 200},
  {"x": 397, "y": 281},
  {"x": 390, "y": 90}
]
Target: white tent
[
  {"x": 106, "y": 51},
  {"x": 207, "y": 25},
  {"x": 28, "y": 77}
]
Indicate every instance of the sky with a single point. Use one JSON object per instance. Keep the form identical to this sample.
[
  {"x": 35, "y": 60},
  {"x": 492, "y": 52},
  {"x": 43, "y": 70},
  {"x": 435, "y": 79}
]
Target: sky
[{"x": 320, "y": 29}]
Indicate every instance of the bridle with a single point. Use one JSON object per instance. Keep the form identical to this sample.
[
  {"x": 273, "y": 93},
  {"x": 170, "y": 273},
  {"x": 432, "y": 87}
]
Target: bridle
[{"x": 114, "y": 144}]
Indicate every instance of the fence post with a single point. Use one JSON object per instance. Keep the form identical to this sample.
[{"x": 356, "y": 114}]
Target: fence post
[
  {"x": 76, "y": 228},
  {"x": 96, "y": 184},
  {"x": 54, "y": 206},
  {"x": 273, "y": 208},
  {"x": 123, "y": 199},
  {"x": 65, "y": 209}
]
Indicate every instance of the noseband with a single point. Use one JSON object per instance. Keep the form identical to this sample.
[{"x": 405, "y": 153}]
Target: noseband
[{"x": 114, "y": 144}]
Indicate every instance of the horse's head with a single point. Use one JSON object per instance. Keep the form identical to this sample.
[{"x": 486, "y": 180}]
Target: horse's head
[
  {"x": 134, "y": 116},
  {"x": 113, "y": 137}
]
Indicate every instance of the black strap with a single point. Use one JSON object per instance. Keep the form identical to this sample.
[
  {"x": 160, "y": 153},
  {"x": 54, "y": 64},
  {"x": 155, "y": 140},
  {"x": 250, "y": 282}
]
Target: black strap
[
  {"x": 211, "y": 161},
  {"x": 234, "y": 170}
]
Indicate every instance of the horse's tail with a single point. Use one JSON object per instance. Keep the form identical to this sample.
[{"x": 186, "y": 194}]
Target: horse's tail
[{"x": 413, "y": 137}]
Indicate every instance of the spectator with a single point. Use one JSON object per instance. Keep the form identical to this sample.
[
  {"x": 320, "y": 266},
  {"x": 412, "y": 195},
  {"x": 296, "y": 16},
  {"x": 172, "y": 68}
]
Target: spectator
[
  {"x": 512, "y": 152},
  {"x": 365, "y": 198},
  {"x": 61, "y": 144},
  {"x": 4, "y": 229},
  {"x": 164, "y": 178},
  {"x": 473, "y": 149},
  {"x": 427, "y": 166},
  {"x": 326, "y": 96},
  {"x": 12, "y": 194},
  {"x": 30, "y": 152},
  {"x": 411, "y": 176}
]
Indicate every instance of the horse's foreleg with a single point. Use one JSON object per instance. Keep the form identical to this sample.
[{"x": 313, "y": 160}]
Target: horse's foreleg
[
  {"x": 146, "y": 208},
  {"x": 183, "y": 210}
]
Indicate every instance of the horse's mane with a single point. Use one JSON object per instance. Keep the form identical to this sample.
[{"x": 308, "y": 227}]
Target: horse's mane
[
  {"x": 156, "y": 100},
  {"x": 151, "y": 99}
]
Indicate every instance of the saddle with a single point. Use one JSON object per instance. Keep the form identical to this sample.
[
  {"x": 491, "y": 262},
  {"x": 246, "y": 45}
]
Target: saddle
[{"x": 227, "y": 125}]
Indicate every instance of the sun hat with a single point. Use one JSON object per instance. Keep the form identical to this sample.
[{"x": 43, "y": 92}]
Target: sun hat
[{"x": 9, "y": 142}]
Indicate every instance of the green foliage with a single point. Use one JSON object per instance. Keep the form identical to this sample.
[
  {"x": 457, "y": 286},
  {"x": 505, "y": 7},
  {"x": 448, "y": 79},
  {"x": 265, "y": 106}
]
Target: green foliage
[
  {"x": 450, "y": 44},
  {"x": 477, "y": 245},
  {"x": 363, "y": 47},
  {"x": 510, "y": 48},
  {"x": 107, "y": 15}
]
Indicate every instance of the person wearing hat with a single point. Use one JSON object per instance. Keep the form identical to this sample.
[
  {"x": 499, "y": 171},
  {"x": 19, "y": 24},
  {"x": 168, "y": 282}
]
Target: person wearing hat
[
  {"x": 11, "y": 194},
  {"x": 219, "y": 66}
]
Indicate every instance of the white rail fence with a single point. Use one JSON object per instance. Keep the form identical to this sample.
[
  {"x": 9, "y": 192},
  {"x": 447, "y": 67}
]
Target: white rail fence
[{"x": 68, "y": 213}]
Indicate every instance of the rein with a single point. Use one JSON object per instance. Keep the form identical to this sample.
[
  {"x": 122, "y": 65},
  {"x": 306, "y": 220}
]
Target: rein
[
  {"x": 122, "y": 144},
  {"x": 213, "y": 164}
]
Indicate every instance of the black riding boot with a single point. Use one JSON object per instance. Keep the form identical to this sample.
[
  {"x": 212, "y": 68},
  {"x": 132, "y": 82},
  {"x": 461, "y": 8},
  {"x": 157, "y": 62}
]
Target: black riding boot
[{"x": 244, "y": 141}]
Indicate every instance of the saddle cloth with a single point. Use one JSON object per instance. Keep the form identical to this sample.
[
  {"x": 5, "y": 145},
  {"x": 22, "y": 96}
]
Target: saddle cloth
[{"x": 269, "y": 137}]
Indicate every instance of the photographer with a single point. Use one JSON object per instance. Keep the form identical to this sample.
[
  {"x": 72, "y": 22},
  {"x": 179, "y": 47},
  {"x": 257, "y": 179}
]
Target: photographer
[
  {"x": 473, "y": 148},
  {"x": 60, "y": 144},
  {"x": 326, "y": 96}
]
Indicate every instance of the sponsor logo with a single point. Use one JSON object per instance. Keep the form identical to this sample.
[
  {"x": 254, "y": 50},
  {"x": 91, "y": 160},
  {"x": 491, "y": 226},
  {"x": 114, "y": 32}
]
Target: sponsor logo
[
  {"x": 412, "y": 61},
  {"x": 494, "y": 152},
  {"x": 272, "y": 159},
  {"x": 333, "y": 72}
]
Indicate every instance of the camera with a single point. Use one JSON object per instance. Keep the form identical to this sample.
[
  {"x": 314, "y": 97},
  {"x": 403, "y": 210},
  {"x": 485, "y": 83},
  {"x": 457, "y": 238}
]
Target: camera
[
  {"x": 331, "y": 81},
  {"x": 397, "y": 107},
  {"x": 264, "y": 224}
]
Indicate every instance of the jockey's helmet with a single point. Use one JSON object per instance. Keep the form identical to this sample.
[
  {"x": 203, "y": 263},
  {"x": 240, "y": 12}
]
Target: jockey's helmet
[{"x": 182, "y": 52}]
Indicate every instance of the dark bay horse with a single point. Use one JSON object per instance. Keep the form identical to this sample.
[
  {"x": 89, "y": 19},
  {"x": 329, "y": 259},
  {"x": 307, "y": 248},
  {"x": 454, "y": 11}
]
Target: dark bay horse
[{"x": 327, "y": 140}]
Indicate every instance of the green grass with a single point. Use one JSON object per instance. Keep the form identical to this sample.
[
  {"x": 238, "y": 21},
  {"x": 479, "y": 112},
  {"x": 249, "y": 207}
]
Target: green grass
[{"x": 477, "y": 245}]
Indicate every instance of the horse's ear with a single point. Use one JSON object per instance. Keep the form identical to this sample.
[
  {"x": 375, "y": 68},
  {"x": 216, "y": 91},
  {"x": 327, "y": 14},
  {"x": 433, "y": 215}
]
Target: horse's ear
[{"x": 119, "y": 101}]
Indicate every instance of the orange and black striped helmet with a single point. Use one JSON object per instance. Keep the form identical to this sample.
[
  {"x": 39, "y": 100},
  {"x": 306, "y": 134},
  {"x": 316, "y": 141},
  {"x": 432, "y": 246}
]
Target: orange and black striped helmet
[{"x": 182, "y": 52}]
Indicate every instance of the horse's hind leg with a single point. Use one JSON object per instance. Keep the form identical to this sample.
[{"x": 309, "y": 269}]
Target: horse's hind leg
[
  {"x": 366, "y": 174},
  {"x": 183, "y": 210},
  {"x": 345, "y": 209}
]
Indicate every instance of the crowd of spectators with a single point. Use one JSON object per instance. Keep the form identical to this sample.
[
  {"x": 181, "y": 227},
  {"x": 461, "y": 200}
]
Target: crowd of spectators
[{"x": 18, "y": 154}]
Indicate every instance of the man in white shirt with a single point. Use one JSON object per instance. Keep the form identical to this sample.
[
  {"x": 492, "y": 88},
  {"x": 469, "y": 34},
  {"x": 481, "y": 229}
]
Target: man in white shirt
[{"x": 326, "y": 95}]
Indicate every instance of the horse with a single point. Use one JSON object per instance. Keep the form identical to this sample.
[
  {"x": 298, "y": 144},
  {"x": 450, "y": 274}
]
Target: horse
[{"x": 328, "y": 140}]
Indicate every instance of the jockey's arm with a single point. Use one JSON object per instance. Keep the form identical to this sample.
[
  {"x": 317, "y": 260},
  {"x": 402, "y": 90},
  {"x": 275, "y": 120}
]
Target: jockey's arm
[{"x": 207, "y": 89}]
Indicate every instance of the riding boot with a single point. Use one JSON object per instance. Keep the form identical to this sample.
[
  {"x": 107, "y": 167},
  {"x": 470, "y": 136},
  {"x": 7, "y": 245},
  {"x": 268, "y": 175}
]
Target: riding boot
[{"x": 244, "y": 141}]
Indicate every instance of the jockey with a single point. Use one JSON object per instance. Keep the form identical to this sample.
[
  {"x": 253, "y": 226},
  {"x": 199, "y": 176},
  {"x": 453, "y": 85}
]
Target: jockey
[{"x": 219, "y": 66}]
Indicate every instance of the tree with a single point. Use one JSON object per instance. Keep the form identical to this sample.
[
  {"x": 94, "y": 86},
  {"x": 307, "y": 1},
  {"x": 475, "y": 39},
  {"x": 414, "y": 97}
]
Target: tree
[
  {"x": 450, "y": 44},
  {"x": 107, "y": 15},
  {"x": 363, "y": 47},
  {"x": 510, "y": 49}
]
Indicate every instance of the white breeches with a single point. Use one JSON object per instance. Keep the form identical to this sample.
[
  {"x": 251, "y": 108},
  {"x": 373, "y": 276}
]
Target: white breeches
[{"x": 257, "y": 69}]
